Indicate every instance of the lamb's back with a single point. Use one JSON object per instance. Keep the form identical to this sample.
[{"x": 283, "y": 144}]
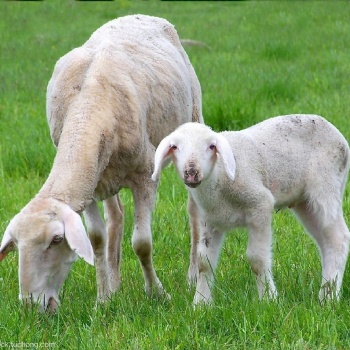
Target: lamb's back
[
  {"x": 287, "y": 154},
  {"x": 298, "y": 140}
]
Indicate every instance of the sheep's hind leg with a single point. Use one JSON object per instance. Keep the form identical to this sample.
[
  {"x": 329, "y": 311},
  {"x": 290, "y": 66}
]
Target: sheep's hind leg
[
  {"x": 332, "y": 237},
  {"x": 144, "y": 200},
  {"x": 97, "y": 234},
  {"x": 114, "y": 215}
]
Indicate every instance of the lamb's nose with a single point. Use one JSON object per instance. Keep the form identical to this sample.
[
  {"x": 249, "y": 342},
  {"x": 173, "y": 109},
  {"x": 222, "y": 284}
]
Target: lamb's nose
[
  {"x": 191, "y": 172},
  {"x": 191, "y": 177}
]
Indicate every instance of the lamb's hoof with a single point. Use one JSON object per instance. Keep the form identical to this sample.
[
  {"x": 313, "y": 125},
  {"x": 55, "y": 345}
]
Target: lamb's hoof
[
  {"x": 328, "y": 292},
  {"x": 103, "y": 300},
  {"x": 191, "y": 280},
  {"x": 192, "y": 276},
  {"x": 200, "y": 302}
]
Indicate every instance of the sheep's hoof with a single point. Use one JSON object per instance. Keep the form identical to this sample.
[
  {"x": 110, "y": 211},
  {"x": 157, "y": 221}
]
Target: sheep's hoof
[
  {"x": 165, "y": 295},
  {"x": 115, "y": 286},
  {"x": 157, "y": 291},
  {"x": 104, "y": 296},
  {"x": 102, "y": 299},
  {"x": 160, "y": 294}
]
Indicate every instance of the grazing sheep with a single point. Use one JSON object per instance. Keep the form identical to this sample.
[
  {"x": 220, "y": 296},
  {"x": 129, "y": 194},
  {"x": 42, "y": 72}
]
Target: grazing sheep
[
  {"x": 238, "y": 178},
  {"x": 109, "y": 104}
]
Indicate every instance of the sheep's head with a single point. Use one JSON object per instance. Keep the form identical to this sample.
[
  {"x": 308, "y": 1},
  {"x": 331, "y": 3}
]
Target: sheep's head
[
  {"x": 49, "y": 236},
  {"x": 194, "y": 149}
]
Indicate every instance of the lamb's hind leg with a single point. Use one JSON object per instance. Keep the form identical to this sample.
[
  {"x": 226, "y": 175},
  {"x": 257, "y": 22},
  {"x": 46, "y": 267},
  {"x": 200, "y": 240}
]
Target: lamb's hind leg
[
  {"x": 144, "y": 200},
  {"x": 332, "y": 237},
  {"x": 114, "y": 215},
  {"x": 97, "y": 233}
]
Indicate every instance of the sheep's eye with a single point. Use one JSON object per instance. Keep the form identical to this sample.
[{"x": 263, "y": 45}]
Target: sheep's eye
[
  {"x": 56, "y": 240},
  {"x": 173, "y": 147},
  {"x": 212, "y": 147}
]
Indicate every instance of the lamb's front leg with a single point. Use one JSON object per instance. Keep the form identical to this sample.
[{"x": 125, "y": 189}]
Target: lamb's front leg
[
  {"x": 97, "y": 233},
  {"x": 209, "y": 245},
  {"x": 192, "y": 274},
  {"x": 259, "y": 253},
  {"x": 144, "y": 200}
]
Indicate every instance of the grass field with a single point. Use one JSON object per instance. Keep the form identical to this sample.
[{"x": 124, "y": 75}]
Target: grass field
[{"x": 265, "y": 59}]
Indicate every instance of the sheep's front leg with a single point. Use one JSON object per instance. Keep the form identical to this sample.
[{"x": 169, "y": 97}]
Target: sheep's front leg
[
  {"x": 144, "y": 200},
  {"x": 259, "y": 253},
  {"x": 192, "y": 274},
  {"x": 114, "y": 214},
  {"x": 97, "y": 233},
  {"x": 209, "y": 245}
]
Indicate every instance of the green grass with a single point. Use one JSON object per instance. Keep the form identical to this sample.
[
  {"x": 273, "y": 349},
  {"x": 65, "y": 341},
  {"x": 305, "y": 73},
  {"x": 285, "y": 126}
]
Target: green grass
[{"x": 266, "y": 59}]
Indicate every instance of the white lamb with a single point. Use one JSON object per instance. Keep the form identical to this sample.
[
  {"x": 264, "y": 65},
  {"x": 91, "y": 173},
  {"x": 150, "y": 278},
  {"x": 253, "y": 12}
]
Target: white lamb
[
  {"x": 239, "y": 178},
  {"x": 109, "y": 104}
]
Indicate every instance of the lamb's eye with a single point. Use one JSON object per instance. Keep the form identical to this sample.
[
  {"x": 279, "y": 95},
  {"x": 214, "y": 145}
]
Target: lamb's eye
[
  {"x": 56, "y": 240},
  {"x": 174, "y": 147},
  {"x": 212, "y": 147}
]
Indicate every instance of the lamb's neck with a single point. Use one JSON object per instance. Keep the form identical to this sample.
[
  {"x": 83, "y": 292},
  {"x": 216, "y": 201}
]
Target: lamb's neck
[{"x": 76, "y": 170}]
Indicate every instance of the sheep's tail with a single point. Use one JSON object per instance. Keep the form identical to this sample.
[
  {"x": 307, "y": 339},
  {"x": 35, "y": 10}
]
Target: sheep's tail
[{"x": 190, "y": 42}]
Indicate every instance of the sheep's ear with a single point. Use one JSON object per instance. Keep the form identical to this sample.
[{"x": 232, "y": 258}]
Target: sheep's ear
[
  {"x": 162, "y": 154},
  {"x": 7, "y": 244},
  {"x": 224, "y": 149},
  {"x": 76, "y": 236}
]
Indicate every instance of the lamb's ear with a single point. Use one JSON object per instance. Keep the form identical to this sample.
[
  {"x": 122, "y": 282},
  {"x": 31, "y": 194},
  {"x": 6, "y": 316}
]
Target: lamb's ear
[
  {"x": 76, "y": 236},
  {"x": 162, "y": 154},
  {"x": 7, "y": 244},
  {"x": 224, "y": 149}
]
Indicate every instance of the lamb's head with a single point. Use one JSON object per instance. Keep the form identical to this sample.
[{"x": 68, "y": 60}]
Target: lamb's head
[
  {"x": 194, "y": 149},
  {"x": 49, "y": 236}
]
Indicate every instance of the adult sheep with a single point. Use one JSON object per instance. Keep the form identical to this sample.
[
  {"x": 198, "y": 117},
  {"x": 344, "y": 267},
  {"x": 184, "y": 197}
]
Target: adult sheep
[
  {"x": 109, "y": 104},
  {"x": 238, "y": 178}
]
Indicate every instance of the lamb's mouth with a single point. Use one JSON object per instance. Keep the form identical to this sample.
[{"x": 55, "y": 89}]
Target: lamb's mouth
[{"x": 193, "y": 184}]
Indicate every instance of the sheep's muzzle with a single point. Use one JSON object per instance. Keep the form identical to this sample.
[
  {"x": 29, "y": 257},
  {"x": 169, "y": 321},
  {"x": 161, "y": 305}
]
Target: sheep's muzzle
[{"x": 50, "y": 306}]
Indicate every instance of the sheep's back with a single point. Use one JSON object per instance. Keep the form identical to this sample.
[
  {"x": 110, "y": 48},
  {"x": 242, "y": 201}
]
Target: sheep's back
[
  {"x": 116, "y": 97},
  {"x": 138, "y": 65}
]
